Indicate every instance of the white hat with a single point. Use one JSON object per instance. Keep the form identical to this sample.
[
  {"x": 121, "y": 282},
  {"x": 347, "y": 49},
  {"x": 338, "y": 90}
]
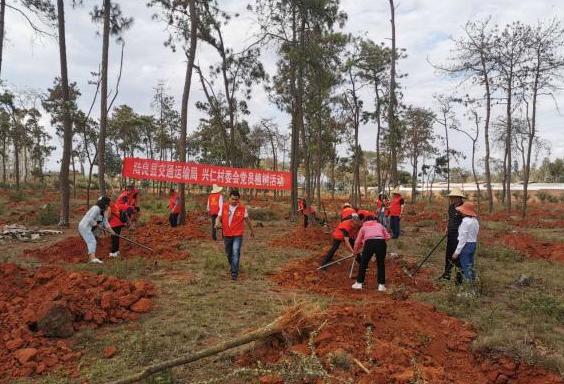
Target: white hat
[
  {"x": 216, "y": 189},
  {"x": 456, "y": 192},
  {"x": 396, "y": 191}
]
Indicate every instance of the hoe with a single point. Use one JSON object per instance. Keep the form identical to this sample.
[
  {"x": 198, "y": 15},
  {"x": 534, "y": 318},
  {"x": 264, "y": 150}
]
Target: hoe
[{"x": 412, "y": 274}]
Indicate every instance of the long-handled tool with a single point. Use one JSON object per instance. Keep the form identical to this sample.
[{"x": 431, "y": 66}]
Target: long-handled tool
[
  {"x": 130, "y": 241},
  {"x": 336, "y": 261},
  {"x": 426, "y": 257}
]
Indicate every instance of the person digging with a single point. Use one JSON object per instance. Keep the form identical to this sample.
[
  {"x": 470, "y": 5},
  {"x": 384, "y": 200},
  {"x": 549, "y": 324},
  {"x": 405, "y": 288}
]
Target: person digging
[
  {"x": 396, "y": 210},
  {"x": 118, "y": 219},
  {"x": 347, "y": 211},
  {"x": 174, "y": 208},
  {"x": 232, "y": 220},
  {"x": 214, "y": 206},
  {"x": 371, "y": 239},
  {"x": 455, "y": 198},
  {"x": 344, "y": 233},
  {"x": 96, "y": 216}
]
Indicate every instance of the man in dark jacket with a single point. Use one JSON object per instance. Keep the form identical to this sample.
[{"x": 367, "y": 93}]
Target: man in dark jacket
[{"x": 456, "y": 198}]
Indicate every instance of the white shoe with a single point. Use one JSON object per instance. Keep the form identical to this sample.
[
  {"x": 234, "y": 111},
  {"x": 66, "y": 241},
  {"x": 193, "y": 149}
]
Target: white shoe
[
  {"x": 95, "y": 260},
  {"x": 357, "y": 285},
  {"x": 393, "y": 254},
  {"x": 381, "y": 288},
  {"x": 114, "y": 254}
]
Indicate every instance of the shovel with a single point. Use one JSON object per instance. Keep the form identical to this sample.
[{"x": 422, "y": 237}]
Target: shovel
[
  {"x": 335, "y": 262},
  {"x": 412, "y": 274},
  {"x": 130, "y": 241}
]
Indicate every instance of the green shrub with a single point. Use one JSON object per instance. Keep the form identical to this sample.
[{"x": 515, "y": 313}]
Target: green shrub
[
  {"x": 48, "y": 215},
  {"x": 498, "y": 195},
  {"x": 17, "y": 196},
  {"x": 542, "y": 196},
  {"x": 2, "y": 208},
  {"x": 561, "y": 197},
  {"x": 262, "y": 214},
  {"x": 545, "y": 304}
]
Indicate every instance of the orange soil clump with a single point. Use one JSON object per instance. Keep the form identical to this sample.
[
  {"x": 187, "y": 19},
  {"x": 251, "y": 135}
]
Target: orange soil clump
[
  {"x": 89, "y": 300},
  {"x": 407, "y": 341},
  {"x": 532, "y": 247},
  {"x": 303, "y": 274},
  {"x": 312, "y": 238},
  {"x": 156, "y": 234}
]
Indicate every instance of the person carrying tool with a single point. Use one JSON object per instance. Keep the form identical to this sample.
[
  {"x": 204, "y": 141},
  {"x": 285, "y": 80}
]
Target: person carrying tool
[
  {"x": 347, "y": 212},
  {"x": 344, "y": 233},
  {"x": 130, "y": 195},
  {"x": 214, "y": 207},
  {"x": 96, "y": 216},
  {"x": 396, "y": 210},
  {"x": 456, "y": 198},
  {"x": 371, "y": 239},
  {"x": 118, "y": 219},
  {"x": 232, "y": 219},
  {"x": 174, "y": 207},
  {"x": 467, "y": 240}
]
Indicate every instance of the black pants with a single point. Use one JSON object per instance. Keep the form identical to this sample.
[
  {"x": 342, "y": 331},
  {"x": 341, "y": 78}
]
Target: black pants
[
  {"x": 373, "y": 247},
  {"x": 334, "y": 247},
  {"x": 306, "y": 220},
  {"x": 173, "y": 219},
  {"x": 452, "y": 243},
  {"x": 213, "y": 230},
  {"x": 115, "y": 239}
]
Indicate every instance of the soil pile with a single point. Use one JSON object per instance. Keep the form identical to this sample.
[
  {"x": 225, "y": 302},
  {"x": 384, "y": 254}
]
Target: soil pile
[
  {"x": 532, "y": 247},
  {"x": 312, "y": 238},
  {"x": 52, "y": 301},
  {"x": 538, "y": 216},
  {"x": 157, "y": 234},
  {"x": 398, "y": 342},
  {"x": 303, "y": 274}
]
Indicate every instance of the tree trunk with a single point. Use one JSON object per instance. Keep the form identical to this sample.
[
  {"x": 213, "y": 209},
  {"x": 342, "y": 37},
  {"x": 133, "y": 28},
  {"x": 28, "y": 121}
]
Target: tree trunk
[
  {"x": 508, "y": 140},
  {"x": 185, "y": 97},
  {"x": 487, "y": 133},
  {"x": 104, "y": 99},
  {"x": 393, "y": 129},
  {"x": 378, "y": 131},
  {"x": 447, "y": 150},
  {"x": 294, "y": 150},
  {"x": 17, "y": 162},
  {"x": 2, "y": 29},
  {"x": 531, "y": 136}
]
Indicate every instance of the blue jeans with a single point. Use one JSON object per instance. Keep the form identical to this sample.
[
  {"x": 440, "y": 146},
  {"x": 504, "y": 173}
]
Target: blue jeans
[
  {"x": 395, "y": 226},
  {"x": 466, "y": 258},
  {"x": 233, "y": 246}
]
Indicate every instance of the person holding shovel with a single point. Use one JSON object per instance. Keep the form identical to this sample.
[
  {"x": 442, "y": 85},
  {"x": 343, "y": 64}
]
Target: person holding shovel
[
  {"x": 347, "y": 212},
  {"x": 344, "y": 233},
  {"x": 371, "y": 239},
  {"x": 232, "y": 220},
  {"x": 467, "y": 240},
  {"x": 96, "y": 216},
  {"x": 118, "y": 219},
  {"x": 214, "y": 207},
  {"x": 396, "y": 210},
  {"x": 455, "y": 198},
  {"x": 174, "y": 208}
]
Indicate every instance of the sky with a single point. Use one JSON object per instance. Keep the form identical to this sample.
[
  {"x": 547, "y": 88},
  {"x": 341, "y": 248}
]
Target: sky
[{"x": 423, "y": 27}]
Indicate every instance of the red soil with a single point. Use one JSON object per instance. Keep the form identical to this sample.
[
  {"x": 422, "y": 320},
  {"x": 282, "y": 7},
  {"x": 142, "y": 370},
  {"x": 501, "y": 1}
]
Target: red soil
[
  {"x": 156, "y": 234},
  {"x": 532, "y": 247},
  {"x": 538, "y": 216},
  {"x": 407, "y": 340},
  {"x": 93, "y": 300},
  {"x": 312, "y": 238}
]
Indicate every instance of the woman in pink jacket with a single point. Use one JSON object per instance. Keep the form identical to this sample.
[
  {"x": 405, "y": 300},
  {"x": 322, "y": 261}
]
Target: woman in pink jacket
[{"x": 371, "y": 239}]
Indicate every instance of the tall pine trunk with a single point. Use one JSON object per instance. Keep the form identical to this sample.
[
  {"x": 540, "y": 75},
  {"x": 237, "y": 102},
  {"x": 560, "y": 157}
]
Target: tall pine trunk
[
  {"x": 104, "y": 98},
  {"x": 508, "y": 138},
  {"x": 487, "y": 133},
  {"x": 185, "y": 97},
  {"x": 531, "y": 138},
  {"x": 392, "y": 126},
  {"x": 2, "y": 29}
]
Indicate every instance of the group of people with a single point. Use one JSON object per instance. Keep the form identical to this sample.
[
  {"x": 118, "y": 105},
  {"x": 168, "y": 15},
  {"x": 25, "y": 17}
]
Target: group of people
[
  {"x": 365, "y": 233},
  {"x": 109, "y": 216}
]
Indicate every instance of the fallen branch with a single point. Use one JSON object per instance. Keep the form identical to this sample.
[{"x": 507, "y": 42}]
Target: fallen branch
[
  {"x": 357, "y": 362},
  {"x": 294, "y": 318}
]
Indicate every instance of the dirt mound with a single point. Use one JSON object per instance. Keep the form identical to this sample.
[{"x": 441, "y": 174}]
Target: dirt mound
[
  {"x": 538, "y": 216},
  {"x": 50, "y": 300},
  {"x": 398, "y": 342},
  {"x": 303, "y": 274},
  {"x": 532, "y": 247},
  {"x": 312, "y": 238},
  {"x": 157, "y": 234}
]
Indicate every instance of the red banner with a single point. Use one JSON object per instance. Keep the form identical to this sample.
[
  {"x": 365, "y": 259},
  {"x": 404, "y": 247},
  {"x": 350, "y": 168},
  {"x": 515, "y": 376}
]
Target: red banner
[{"x": 204, "y": 174}]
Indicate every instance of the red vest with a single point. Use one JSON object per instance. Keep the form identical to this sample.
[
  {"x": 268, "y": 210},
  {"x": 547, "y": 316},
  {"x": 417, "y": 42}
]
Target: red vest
[
  {"x": 395, "y": 205},
  {"x": 172, "y": 203},
  {"x": 237, "y": 227},
  {"x": 365, "y": 213},
  {"x": 347, "y": 212},
  {"x": 348, "y": 226},
  {"x": 115, "y": 211},
  {"x": 213, "y": 201},
  {"x": 300, "y": 205}
]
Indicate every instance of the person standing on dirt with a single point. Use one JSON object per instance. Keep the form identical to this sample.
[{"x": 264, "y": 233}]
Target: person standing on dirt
[
  {"x": 347, "y": 212},
  {"x": 130, "y": 195},
  {"x": 371, "y": 239},
  {"x": 96, "y": 216},
  {"x": 381, "y": 205},
  {"x": 118, "y": 219},
  {"x": 396, "y": 210},
  {"x": 455, "y": 199},
  {"x": 214, "y": 207},
  {"x": 344, "y": 233},
  {"x": 174, "y": 207},
  {"x": 467, "y": 240},
  {"x": 232, "y": 220}
]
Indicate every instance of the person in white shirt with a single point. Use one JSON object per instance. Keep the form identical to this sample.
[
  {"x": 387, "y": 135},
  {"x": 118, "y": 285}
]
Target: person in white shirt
[
  {"x": 95, "y": 217},
  {"x": 467, "y": 239}
]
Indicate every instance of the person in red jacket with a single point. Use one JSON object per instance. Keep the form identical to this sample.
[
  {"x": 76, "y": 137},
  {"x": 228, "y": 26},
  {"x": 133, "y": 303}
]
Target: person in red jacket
[
  {"x": 344, "y": 233},
  {"x": 396, "y": 210},
  {"x": 347, "y": 212},
  {"x": 232, "y": 219},
  {"x": 365, "y": 215},
  {"x": 118, "y": 219},
  {"x": 214, "y": 207},
  {"x": 130, "y": 196},
  {"x": 174, "y": 207},
  {"x": 371, "y": 239}
]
